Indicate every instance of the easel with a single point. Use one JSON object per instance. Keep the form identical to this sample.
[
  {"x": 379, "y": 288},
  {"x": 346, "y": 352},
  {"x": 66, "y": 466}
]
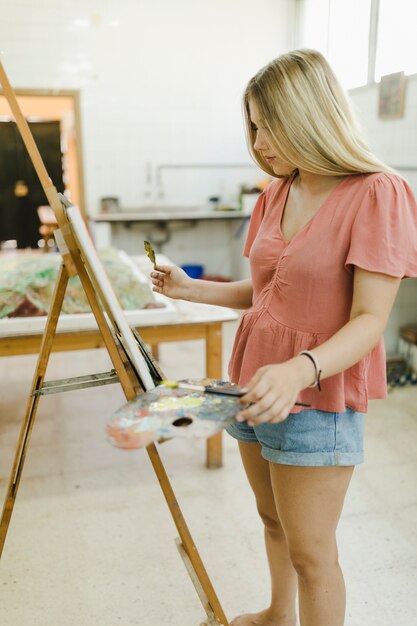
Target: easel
[{"x": 134, "y": 367}]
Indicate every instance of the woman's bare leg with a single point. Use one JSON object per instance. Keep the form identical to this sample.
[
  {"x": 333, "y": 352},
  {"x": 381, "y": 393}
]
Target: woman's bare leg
[
  {"x": 309, "y": 502},
  {"x": 283, "y": 576}
]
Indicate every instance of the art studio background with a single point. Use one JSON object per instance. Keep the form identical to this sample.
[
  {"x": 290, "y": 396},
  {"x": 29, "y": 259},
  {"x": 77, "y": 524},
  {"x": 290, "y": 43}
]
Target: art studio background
[{"x": 136, "y": 108}]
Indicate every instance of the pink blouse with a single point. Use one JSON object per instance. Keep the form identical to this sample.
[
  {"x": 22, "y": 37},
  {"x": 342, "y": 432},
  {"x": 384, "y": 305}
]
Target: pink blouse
[{"x": 302, "y": 289}]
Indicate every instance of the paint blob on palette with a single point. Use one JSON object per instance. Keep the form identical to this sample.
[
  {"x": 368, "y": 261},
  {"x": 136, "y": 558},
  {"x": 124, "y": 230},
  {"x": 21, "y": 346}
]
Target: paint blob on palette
[{"x": 164, "y": 413}]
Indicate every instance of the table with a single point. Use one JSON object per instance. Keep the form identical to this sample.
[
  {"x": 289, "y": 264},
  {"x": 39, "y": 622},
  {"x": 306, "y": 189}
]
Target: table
[{"x": 191, "y": 321}]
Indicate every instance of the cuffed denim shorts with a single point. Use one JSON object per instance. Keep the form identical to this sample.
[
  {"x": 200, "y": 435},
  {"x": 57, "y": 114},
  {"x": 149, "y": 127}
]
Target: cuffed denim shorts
[{"x": 310, "y": 438}]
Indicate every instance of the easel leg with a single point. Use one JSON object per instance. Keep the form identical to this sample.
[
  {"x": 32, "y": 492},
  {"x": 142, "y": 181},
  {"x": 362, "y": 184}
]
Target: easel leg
[
  {"x": 211, "y": 618},
  {"x": 32, "y": 405},
  {"x": 193, "y": 563},
  {"x": 155, "y": 351},
  {"x": 214, "y": 370}
]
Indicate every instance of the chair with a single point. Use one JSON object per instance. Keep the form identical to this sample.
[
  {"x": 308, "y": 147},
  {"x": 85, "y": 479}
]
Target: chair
[{"x": 48, "y": 225}]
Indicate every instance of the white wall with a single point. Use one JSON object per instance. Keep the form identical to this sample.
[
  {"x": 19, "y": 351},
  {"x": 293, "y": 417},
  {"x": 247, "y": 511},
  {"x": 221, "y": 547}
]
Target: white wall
[
  {"x": 160, "y": 82},
  {"x": 395, "y": 141}
]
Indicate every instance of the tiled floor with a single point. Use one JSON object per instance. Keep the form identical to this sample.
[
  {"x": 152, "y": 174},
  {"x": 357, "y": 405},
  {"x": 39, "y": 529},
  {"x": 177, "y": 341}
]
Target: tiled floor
[{"x": 92, "y": 543}]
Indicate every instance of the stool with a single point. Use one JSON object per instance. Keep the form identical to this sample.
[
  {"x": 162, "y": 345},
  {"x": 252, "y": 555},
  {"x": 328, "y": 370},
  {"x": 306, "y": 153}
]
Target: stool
[{"x": 48, "y": 225}]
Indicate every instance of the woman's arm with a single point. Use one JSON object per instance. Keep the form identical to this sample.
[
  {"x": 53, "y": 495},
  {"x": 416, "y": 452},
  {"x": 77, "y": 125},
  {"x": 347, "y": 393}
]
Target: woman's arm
[
  {"x": 274, "y": 388},
  {"x": 173, "y": 282}
]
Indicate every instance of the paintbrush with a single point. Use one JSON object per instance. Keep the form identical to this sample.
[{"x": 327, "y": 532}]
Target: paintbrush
[
  {"x": 225, "y": 389},
  {"x": 150, "y": 253}
]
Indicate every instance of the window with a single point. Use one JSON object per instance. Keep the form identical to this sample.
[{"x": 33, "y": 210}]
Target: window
[
  {"x": 396, "y": 40},
  {"x": 340, "y": 30},
  {"x": 348, "y": 41}
]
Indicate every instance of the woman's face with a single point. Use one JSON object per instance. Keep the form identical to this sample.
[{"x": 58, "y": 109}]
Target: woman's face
[{"x": 262, "y": 145}]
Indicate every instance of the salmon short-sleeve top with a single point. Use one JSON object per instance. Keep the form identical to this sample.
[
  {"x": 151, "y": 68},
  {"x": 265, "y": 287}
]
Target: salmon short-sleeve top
[{"x": 302, "y": 289}]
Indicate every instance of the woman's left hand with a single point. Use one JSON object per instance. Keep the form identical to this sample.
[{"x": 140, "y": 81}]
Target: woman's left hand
[{"x": 272, "y": 393}]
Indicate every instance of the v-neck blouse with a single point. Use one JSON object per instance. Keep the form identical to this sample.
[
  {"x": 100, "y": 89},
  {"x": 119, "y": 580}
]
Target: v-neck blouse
[{"x": 303, "y": 288}]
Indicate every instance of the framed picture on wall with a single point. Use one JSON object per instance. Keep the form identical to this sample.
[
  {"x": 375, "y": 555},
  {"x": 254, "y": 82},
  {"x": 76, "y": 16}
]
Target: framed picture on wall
[{"x": 391, "y": 96}]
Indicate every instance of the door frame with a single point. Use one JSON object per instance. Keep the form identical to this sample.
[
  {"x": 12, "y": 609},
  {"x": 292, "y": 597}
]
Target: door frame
[{"x": 74, "y": 95}]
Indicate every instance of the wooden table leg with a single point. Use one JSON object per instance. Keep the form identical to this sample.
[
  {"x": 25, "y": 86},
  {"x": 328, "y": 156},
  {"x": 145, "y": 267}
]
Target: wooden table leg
[{"x": 214, "y": 455}]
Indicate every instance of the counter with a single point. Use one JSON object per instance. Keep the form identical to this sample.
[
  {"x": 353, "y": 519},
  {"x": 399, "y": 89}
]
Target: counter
[
  {"x": 204, "y": 236},
  {"x": 162, "y": 215}
]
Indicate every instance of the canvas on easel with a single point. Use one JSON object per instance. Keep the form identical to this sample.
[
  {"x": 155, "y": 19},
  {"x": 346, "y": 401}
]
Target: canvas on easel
[{"x": 134, "y": 367}]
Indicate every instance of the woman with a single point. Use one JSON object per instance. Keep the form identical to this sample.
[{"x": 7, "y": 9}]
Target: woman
[{"x": 329, "y": 241}]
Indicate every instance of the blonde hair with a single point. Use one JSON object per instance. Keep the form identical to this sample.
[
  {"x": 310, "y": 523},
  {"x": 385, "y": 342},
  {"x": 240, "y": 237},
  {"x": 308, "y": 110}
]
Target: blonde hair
[{"x": 308, "y": 117}]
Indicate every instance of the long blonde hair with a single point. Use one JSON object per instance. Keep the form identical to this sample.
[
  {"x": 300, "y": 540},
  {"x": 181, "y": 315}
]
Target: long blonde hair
[{"x": 308, "y": 117}]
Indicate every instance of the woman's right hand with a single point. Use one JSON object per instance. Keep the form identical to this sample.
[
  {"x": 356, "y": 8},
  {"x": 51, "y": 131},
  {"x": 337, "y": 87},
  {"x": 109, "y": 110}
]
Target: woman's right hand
[{"x": 171, "y": 281}]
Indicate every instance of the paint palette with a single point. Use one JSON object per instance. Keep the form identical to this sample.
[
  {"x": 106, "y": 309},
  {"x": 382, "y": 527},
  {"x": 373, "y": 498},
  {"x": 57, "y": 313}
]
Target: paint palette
[{"x": 164, "y": 413}]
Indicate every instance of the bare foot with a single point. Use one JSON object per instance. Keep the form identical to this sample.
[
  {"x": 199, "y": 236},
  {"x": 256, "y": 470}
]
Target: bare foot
[{"x": 263, "y": 618}]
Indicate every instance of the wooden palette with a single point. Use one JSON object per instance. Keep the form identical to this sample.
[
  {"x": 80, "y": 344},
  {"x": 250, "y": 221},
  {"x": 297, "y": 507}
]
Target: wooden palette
[{"x": 165, "y": 413}]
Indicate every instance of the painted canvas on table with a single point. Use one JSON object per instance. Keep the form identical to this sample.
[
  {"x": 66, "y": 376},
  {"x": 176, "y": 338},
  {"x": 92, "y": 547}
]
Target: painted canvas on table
[{"x": 27, "y": 282}]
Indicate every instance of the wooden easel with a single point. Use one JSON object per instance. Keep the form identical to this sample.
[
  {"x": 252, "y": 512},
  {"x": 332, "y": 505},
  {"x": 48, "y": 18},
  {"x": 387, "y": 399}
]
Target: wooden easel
[{"x": 133, "y": 373}]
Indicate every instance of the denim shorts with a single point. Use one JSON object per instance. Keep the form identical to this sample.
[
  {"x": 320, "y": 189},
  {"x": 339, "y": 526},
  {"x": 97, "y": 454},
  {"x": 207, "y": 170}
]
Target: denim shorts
[{"x": 310, "y": 438}]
